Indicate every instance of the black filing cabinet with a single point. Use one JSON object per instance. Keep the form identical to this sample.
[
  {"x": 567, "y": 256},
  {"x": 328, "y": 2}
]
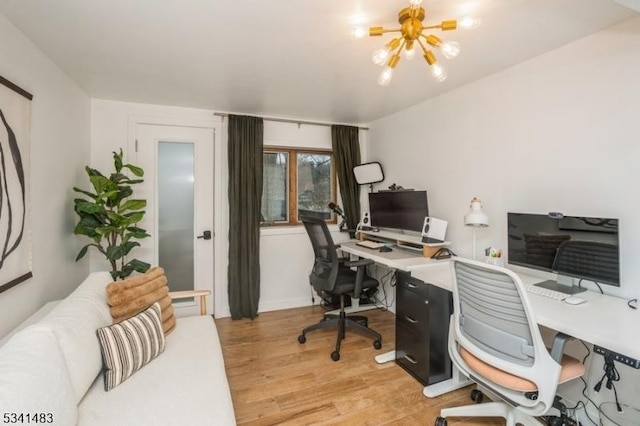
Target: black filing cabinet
[{"x": 422, "y": 329}]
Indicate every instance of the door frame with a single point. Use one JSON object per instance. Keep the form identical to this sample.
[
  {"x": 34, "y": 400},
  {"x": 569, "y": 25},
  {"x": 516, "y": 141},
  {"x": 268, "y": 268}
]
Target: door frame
[{"x": 220, "y": 212}]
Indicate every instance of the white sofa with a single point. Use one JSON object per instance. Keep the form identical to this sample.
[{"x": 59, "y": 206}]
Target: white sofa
[{"x": 52, "y": 368}]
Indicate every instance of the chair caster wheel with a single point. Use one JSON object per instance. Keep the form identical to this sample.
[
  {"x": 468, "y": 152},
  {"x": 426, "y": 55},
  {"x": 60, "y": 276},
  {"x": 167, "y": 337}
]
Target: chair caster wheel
[
  {"x": 335, "y": 355},
  {"x": 441, "y": 421},
  {"x": 477, "y": 396},
  {"x": 377, "y": 344},
  {"x": 301, "y": 338}
]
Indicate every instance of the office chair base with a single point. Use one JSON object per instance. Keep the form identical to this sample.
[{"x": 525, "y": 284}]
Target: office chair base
[
  {"x": 360, "y": 319},
  {"x": 342, "y": 323},
  {"x": 488, "y": 409}
]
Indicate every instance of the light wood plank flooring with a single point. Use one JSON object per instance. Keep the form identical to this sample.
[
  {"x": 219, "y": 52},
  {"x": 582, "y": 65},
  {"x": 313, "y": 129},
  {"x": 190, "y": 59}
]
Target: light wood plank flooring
[{"x": 275, "y": 380}]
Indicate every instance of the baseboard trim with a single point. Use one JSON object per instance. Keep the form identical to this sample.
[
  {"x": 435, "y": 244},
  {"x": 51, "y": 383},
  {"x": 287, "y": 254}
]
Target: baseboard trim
[{"x": 271, "y": 306}]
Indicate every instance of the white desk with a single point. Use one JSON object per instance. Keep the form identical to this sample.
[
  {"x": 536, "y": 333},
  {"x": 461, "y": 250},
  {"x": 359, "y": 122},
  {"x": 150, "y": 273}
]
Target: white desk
[{"x": 604, "y": 320}]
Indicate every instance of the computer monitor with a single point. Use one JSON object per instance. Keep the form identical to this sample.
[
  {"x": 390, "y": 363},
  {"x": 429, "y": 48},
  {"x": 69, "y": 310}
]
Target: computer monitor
[
  {"x": 585, "y": 248},
  {"x": 404, "y": 210}
]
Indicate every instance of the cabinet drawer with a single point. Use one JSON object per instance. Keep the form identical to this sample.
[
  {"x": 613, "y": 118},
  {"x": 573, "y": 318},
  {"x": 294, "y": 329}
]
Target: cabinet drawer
[
  {"x": 415, "y": 310},
  {"x": 412, "y": 352},
  {"x": 414, "y": 285}
]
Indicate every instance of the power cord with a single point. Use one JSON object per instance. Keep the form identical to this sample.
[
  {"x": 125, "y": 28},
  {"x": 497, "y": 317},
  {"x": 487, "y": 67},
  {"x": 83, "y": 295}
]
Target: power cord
[
  {"x": 612, "y": 375},
  {"x": 584, "y": 391},
  {"x": 598, "y": 285},
  {"x": 390, "y": 278}
]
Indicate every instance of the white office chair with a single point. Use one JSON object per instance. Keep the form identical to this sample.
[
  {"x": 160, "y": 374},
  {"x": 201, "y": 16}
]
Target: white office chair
[{"x": 495, "y": 341}]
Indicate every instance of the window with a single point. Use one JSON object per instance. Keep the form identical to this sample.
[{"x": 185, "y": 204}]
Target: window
[{"x": 297, "y": 182}]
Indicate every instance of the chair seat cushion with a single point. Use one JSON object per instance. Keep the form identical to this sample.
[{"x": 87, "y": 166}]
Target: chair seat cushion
[
  {"x": 571, "y": 368},
  {"x": 346, "y": 280}
]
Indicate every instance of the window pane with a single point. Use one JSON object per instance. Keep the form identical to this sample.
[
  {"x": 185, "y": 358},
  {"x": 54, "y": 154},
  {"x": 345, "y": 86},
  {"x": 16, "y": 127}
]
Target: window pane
[
  {"x": 314, "y": 185},
  {"x": 274, "y": 187}
]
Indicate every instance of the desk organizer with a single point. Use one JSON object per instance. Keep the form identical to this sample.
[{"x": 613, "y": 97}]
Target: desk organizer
[
  {"x": 496, "y": 261},
  {"x": 411, "y": 242}
]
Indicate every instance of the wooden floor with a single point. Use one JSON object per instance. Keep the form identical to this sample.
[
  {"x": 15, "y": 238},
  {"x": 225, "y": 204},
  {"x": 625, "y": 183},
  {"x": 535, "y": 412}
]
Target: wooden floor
[{"x": 275, "y": 380}]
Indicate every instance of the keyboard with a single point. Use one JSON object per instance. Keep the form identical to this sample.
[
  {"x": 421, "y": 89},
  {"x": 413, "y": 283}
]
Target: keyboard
[
  {"x": 370, "y": 244},
  {"x": 545, "y": 292}
]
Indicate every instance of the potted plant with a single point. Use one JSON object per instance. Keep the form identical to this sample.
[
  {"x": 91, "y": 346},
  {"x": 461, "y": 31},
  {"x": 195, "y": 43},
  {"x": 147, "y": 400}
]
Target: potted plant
[{"x": 109, "y": 217}]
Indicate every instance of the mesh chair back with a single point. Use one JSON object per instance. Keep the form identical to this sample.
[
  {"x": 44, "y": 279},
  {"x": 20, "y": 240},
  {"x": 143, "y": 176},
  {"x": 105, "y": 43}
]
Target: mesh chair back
[
  {"x": 590, "y": 259},
  {"x": 326, "y": 265},
  {"x": 491, "y": 313}
]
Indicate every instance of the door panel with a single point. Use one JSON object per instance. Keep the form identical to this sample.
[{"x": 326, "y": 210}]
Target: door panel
[{"x": 178, "y": 163}]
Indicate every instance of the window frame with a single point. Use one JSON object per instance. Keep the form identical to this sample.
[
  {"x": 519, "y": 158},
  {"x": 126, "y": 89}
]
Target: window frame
[{"x": 292, "y": 182}]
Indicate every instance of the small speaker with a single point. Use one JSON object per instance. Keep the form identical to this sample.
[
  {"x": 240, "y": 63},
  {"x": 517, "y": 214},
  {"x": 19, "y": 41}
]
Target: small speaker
[
  {"x": 433, "y": 230},
  {"x": 365, "y": 222}
]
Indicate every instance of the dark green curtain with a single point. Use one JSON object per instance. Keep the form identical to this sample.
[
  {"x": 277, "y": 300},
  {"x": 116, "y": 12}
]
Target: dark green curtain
[
  {"x": 245, "y": 196},
  {"x": 346, "y": 150}
]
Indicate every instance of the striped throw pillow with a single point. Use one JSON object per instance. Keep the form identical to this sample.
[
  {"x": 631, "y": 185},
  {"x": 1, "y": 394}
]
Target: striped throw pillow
[{"x": 130, "y": 345}]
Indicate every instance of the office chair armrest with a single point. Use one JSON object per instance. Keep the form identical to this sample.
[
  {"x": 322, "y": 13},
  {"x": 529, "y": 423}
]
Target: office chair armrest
[
  {"x": 360, "y": 273},
  {"x": 557, "y": 347},
  {"x": 359, "y": 263}
]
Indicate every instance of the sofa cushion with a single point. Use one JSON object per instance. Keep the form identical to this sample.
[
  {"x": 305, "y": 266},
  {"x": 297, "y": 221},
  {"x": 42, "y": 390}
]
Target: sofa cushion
[
  {"x": 186, "y": 385},
  {"x": 34, "y": 378},
  {"x": 133, "y": 295},
  {"x": 37, "y": 316},
  {"x": 75, "y": 321},
  {"x": 130, "y": 345}
]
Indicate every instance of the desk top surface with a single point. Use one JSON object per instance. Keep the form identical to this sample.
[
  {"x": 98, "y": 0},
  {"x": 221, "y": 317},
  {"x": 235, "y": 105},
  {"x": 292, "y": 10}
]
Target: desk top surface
[
  {"x": 399, "y": 258},
  {"x": 604, "y": 320}
]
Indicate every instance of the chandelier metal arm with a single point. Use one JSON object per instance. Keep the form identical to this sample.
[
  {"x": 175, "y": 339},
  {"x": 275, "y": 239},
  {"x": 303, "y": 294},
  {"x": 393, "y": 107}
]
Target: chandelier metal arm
[
  {"x": 424, "y": 49},
  {"x": 378, "y": 31}
]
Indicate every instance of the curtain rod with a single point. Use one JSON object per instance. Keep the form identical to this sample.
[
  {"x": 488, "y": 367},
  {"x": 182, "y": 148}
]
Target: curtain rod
[{"x": 286, "y": 120}]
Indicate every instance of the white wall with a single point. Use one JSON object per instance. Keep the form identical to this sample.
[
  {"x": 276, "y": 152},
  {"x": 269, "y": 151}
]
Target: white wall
[
  {"x": 60, "y": 121},
  {"x": 557, "y": 133},
  {"x": 285, "y": 253}
]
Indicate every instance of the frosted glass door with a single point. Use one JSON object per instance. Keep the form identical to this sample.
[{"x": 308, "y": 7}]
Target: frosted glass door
[
  {"x": 179, "y": 189},
  {"x": 175, "y": 213}
]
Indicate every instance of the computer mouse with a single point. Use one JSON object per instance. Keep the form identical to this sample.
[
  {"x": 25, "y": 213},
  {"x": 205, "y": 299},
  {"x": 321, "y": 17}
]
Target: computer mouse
[
  {"x": 573, "y": 300},
  {"x": 385, "y": 249}
]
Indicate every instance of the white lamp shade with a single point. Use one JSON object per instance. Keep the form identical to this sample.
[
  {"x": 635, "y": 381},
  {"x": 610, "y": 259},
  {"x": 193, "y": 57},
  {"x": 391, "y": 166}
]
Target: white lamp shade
[{"x": 476, "y": 217}]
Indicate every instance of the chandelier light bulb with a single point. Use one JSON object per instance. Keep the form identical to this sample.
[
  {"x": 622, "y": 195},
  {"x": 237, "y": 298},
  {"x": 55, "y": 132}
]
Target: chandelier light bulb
[
  {"x": 450, "y": 49},
  {"x": 358, "y": 32},
  {"x": 469, "y": 23},
  {"x": 385, "y": 76},
  {"x": 410, "y": 53},
  {"x": 438, "y": 72},
  {"x": 380, "y": 56},
  {"x": 415, "y": 3}
]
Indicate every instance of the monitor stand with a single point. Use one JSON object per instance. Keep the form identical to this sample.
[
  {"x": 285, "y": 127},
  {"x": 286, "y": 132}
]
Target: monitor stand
[{"x": 562, "y": 288}]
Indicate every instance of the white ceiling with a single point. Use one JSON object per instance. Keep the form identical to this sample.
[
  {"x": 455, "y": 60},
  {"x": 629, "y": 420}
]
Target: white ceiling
[{"x": 290, "y": 58}]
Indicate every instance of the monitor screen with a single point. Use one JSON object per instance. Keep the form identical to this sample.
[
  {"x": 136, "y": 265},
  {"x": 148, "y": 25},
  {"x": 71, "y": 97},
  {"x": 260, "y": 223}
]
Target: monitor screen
[
  {"x": 398, "y": 209},
  {"x": 574, "y": 246}
]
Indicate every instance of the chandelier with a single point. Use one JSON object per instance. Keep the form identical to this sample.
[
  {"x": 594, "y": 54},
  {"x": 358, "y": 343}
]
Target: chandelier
[{"x": 411, "y": 34}]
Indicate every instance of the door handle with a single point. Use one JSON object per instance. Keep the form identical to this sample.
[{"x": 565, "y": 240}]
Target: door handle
[{"x": 206, "y": 235}]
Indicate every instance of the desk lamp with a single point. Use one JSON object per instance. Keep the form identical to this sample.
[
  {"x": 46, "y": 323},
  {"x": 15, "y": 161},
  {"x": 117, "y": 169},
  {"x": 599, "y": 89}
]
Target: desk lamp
[{"x": 476, "y": 218}]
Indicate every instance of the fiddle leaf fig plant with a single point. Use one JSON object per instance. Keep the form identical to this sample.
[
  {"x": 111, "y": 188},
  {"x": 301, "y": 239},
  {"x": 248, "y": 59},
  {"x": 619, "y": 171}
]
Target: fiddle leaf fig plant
[{"x": 109, "y": 217}]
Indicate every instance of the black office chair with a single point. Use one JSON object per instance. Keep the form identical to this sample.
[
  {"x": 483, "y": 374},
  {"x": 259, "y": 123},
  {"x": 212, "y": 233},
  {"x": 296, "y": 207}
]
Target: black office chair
[{"x": 333, "y": 275}]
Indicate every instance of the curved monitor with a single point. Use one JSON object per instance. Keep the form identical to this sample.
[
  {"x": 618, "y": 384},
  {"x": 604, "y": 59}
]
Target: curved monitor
[
  {"x": 398, "y": 209},
  {"x": 572, "y": 246}
]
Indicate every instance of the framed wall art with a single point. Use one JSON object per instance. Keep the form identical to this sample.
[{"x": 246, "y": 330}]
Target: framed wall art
[{"x": 15, "y": 220}]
